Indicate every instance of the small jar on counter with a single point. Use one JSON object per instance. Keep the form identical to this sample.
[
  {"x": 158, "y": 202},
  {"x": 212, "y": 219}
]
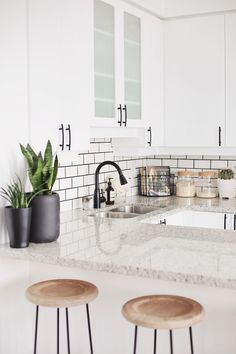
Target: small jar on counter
[
  {"x": 185, "y": 185},
  {"x": 206, "y": 185}
]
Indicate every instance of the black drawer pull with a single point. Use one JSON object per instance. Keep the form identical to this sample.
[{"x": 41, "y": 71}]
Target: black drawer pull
[
  {"x": 69, "y": 136},
  {"x": 62, "y": 145},
  {"x": 120, "y": 115}
]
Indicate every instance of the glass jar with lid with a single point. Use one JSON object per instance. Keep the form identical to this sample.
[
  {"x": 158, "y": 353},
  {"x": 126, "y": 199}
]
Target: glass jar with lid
[
  {"x": 185, "y": 185},
  {"x": 207, "y": 185}
]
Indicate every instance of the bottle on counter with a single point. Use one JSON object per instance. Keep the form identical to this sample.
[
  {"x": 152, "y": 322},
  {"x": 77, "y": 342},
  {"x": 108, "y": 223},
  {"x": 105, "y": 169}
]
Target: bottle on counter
[
  {"x": 110, "y": 193},
  {"x": 206, "y": 186},
  {"x": 102, "y": 197},
  {"x": 185, "y": 185}
]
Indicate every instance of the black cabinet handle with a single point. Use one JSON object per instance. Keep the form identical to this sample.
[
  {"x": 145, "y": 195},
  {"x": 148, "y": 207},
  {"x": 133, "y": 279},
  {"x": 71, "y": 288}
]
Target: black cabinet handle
[
  {"x": 234, "y": 222},
  {"x": 220, "y": 142},
  {"x": 69, "y": 136},
  {"x": 150, "y": 136},
  {"x": 126, "y": 115},
  {"x": 163, "y": 222},
  {"x": 120, "y": 110},
  {"x": 62, "y": 145},
  {"x": 225, "y": 221}
]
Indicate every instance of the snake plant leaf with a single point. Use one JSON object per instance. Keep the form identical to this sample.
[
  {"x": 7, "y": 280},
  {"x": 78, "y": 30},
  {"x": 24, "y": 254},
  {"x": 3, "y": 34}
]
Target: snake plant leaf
[
  {"x": 36, "y": 178},
  {"x": 28, "y": 156},
  {"x": 53, "y": 175},
  {"x": 34, "y": 157},
  {"x": 48, "y": 159}
]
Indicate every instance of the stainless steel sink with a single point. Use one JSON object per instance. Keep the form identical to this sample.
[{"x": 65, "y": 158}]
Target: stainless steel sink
[
  {"x": 114, "y": 215},
  {"x": 133, "y": 208}
]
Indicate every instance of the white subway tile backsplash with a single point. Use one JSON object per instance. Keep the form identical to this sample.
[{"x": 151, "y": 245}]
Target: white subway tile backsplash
[
  {"x": 185, "y": 163},
  {"x": 71, "y": 171},
  {"x": 99, "y": 158},
  {"x": 71, "y": 193},
  {"x": 82, "y": 170},
  {"x": 204, "y": 164},
  {"x": 77, "y": 180},
  {"x": 65, "y": 183},
  {"x": 169, "y": 162},
  {"x": 219, "y": 164},
  {"x": 88, "y": 158},
  {"x": 88, "y": 180}
]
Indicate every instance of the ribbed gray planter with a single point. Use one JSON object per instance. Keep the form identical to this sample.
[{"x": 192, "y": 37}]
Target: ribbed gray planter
[
  {"x": 45, "y": 224},
  {"x": 18, "y": 225}
]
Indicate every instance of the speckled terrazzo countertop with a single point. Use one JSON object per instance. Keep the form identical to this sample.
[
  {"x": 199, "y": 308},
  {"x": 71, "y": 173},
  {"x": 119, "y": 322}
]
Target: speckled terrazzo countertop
[{"x": 134, "y": 247}]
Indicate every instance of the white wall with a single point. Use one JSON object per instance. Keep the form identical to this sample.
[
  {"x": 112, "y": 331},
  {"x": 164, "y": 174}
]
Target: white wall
[
  {"x": 13, "y": 91},
  {"x": 187, "y": 7}
]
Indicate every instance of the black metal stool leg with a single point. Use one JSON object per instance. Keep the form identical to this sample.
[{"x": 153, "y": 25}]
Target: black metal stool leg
[
  {"x": 36, "y": 329},
  {"x": 58, "y": 320},
  {"x": 155, "y": 341},
  {"x": 171, "y": 342},
  {"x": 67, "y": 329},
  {"x": 191, "y": 339},
  {"x": 89, "y": 329},
  {"x": 135, "y": 338}
]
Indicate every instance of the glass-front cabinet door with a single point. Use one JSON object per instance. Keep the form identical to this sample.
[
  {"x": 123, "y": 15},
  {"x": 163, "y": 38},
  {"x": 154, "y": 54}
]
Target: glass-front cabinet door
[
  {"x": 132, "y": 66},
  {"x": 117, "y": 64}
]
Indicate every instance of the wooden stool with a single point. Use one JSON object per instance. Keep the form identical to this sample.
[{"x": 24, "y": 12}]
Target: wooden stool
[
  {"x": 163, "y": 312},
  {"x": 62, "y": 293}
]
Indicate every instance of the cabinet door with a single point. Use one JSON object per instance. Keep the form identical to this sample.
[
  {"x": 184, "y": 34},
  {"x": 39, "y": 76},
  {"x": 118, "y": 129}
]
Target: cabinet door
[
  {"x": 152, "y": 80},
  {"x": 107, "y": 86},
  {"x": 230, "y": 27},
  {"x": 60, "y": 62},
  {"x": 194, "y": 81}
]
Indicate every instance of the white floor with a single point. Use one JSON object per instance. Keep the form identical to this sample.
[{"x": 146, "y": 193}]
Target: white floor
[{"x": 112, "y": 334}]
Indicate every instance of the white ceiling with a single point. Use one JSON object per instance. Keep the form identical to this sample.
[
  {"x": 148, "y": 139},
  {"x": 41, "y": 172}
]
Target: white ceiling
[
  {"x": 187, "y": 7},
  {"x": 169, "y": 8}
]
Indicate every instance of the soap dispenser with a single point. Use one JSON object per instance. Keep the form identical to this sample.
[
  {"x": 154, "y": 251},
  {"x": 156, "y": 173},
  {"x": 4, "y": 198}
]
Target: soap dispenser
[{"x": 110, "y": 193}]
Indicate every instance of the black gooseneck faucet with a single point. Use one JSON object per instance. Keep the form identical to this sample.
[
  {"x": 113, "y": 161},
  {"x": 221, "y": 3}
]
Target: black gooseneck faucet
[{"x": 96, "y": 196}]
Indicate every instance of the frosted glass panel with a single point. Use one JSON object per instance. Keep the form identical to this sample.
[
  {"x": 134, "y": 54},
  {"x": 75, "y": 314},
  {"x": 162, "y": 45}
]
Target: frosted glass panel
[
  {"x": 104, "y": 61},
  {"x": 104, "y": 87},
  {"x": 104, "y": 53},
  {"x": 132, "y": 65},
  {"x": 104, "y": 109}
]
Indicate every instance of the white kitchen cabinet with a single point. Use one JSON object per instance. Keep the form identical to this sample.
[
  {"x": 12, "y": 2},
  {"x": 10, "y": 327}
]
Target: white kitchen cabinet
[
  {"x": 60, "y": 62},
  {"x": 127, "y": 68},
  {"x": 13, "y": 93},
  {"x": 194, "y": 82},
  {"x": 230, "y": 45},
  {"x": 192, "y": 218}
]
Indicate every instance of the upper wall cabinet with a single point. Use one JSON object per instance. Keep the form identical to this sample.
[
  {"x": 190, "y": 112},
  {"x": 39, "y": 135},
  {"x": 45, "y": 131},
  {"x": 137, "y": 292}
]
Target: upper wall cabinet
[
  {"x": 60, "y": 75},
  {"x": 230, "y": 32},
  {"x": 195, "y": 82},
  {"x": 127, "y": 66}
]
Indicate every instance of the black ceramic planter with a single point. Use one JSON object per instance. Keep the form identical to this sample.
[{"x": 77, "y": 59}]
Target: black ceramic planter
[
  {"x": 18, "y": 226},
  {"x": 45, "y": 224}
]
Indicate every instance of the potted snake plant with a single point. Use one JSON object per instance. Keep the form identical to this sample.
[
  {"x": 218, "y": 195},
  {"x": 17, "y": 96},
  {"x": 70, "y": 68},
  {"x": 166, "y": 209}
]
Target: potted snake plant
[
  {"x": 42, "y": 172},
  {"x": 18, "y": 213},
  {"x": 226, "y": 184}
]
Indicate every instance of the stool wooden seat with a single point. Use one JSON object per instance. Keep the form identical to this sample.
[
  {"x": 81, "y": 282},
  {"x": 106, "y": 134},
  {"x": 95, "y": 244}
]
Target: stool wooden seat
[
  {"x": 163, "y": 312},
  {"x": 61, "y": 293}
]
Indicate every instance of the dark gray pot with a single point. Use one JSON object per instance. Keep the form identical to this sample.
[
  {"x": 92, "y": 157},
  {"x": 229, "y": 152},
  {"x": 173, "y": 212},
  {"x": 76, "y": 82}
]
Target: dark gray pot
[
  {"x": 45, "y": 224},
  {"x": 18, "y": 226}
]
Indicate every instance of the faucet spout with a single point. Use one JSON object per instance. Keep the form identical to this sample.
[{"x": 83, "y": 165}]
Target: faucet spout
[{"x": 96, "y": 196}]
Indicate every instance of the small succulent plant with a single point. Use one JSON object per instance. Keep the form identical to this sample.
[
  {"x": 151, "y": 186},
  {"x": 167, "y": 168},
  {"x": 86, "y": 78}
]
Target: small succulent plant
[
  {"x": 42, "y": 169},
  {"x": 226, "y": 173},
  {"x": 15, "y": 194}
]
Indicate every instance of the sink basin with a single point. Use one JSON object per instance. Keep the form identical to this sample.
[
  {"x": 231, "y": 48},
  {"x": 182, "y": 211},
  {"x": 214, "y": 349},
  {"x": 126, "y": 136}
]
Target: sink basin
[
  {"x": 133, "y": 208},
  {"x": 114, "y": 215}
]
